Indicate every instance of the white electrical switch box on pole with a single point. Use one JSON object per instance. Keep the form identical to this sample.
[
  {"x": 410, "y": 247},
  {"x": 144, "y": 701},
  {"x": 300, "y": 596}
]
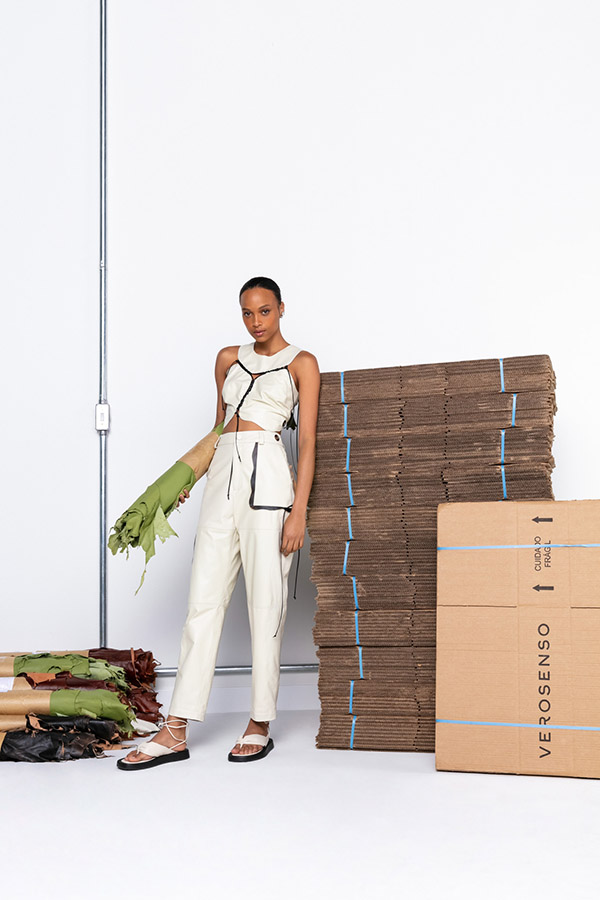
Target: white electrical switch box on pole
[{"x": 102, "y": 416}]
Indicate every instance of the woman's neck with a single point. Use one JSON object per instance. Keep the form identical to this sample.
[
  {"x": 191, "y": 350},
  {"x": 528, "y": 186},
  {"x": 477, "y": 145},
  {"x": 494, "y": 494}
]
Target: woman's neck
[{"x": 267, "y": 347}]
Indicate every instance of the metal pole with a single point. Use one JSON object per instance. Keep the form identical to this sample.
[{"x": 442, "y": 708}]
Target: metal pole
[
  {"x": 299, "y": 667},
  {"x": 102, "y": 407}
]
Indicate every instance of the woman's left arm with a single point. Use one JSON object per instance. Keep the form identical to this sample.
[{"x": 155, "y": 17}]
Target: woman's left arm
[{"x": 306, "y": 369}]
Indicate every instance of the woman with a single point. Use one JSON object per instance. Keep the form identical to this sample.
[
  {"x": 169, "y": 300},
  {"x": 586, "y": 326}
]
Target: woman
[{"x": 249, "y": 490}]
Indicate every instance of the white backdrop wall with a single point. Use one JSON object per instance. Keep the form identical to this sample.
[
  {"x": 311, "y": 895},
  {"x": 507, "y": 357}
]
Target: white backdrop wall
[{"x": 420, "y": 179}]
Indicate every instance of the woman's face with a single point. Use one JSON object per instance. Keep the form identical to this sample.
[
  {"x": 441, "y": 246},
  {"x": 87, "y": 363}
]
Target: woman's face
[{"x": 261, "y": 313}]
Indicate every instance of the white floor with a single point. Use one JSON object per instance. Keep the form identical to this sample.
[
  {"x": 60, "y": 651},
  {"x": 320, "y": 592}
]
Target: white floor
[{"x": 302, "y": 822}]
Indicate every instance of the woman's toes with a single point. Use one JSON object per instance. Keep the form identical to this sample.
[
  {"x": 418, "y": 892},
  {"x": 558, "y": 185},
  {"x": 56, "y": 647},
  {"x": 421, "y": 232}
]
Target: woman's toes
[{"x": 135, "y": 757}]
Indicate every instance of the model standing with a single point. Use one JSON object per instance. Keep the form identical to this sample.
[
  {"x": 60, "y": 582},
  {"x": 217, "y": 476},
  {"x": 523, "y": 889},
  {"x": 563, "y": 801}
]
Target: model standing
[{"x": 252, "y": 515}]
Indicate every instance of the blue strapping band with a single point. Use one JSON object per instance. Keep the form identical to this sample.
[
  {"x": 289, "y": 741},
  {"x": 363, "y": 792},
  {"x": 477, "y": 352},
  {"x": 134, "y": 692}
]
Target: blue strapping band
[
  {"x": 356, "y": 606},
  {"x": 502, "y": 464},
  {"x": 350, "y": 489},
  {"x": 511, "y": 546},
  {"x": 514, "y": 410},
  {"x": 346, "y": 552},
  {"x": 521, "y": 725},
  {"x": 502, "y": 374}
]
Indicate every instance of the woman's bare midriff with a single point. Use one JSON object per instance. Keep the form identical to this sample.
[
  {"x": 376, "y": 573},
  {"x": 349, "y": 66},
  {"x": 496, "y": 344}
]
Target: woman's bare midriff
[{"x": 245, "y": 425}]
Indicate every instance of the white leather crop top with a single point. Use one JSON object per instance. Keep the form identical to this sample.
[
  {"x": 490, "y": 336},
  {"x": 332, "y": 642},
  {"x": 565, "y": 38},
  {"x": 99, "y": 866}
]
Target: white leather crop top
[{"x": 268, "y": 399}]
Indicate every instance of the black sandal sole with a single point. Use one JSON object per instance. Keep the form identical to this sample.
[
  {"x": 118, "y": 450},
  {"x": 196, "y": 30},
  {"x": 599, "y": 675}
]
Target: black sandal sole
[
  {"x": 156, "y": 761},
  {"x": 250, "y": 757}
]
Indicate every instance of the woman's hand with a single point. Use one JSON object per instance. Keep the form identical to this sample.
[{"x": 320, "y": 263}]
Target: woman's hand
[
  {"x": 182, "y": 497},
  {"x": 293, "y": 532}
]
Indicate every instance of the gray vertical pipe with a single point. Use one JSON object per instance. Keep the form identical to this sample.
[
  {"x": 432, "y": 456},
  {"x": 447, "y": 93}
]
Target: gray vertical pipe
[{"x": 102, "y": 426}]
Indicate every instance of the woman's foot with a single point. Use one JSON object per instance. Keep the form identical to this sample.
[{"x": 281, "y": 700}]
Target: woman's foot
[
  {"x": 164, "y": 737},
  {"x": 254, "y": 727}
]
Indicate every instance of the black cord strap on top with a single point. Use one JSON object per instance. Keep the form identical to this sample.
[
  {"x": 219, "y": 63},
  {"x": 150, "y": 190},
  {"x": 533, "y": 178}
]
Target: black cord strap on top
[{"x": 253, "y": 377}]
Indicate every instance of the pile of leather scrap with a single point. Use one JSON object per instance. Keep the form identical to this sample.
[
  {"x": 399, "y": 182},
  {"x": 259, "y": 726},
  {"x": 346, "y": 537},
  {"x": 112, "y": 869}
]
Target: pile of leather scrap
[
  {"x": 392, "y": 443},
  {"x": 73, "y": 704}
]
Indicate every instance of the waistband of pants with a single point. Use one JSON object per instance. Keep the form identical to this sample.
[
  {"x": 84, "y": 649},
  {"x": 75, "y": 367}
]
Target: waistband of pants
[{"x": 249, "y": 436}]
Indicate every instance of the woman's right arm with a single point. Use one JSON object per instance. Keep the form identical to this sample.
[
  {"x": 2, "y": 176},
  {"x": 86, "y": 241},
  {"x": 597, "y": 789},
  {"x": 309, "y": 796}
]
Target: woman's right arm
[{"x": 225, "y": 357}]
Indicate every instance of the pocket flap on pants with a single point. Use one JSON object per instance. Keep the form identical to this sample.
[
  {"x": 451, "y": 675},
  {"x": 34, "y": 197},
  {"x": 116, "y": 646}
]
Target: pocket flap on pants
[{"x": 271, "y": 485}]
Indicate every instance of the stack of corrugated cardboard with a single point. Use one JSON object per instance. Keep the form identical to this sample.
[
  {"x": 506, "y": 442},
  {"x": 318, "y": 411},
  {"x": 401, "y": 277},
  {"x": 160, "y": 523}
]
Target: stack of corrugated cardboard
[{"x": 392, "y": 443}]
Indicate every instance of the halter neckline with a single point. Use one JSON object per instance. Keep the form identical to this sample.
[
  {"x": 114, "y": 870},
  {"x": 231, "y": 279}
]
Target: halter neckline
[{"x": 268, "y": 355}]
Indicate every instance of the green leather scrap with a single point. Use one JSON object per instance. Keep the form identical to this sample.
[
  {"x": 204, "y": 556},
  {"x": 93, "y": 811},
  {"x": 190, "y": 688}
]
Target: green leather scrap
[
  {"x": 98, "y": 704},
  {"x": 81, "y": 666},
  {"x": 146, "y": 518}
]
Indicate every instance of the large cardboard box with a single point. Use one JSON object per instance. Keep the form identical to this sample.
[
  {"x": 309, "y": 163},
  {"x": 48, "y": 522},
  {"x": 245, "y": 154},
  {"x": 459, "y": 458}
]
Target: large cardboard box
[{"x": 518, "y": 637}]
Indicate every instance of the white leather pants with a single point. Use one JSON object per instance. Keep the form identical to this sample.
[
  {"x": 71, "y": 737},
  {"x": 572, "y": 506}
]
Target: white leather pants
[{"x": 231, "y": 533}]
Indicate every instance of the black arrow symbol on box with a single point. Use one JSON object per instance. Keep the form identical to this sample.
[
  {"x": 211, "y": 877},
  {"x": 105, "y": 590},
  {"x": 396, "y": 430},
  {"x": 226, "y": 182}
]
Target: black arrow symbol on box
[
  {"x": 543, "y": 587},
  {"x": 539, "y": 519}
]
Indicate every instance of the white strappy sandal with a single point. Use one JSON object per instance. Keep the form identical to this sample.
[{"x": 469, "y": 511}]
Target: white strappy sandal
[
  {"x": 264, "y": 740},
  {"x": 162, "y": 753}
]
